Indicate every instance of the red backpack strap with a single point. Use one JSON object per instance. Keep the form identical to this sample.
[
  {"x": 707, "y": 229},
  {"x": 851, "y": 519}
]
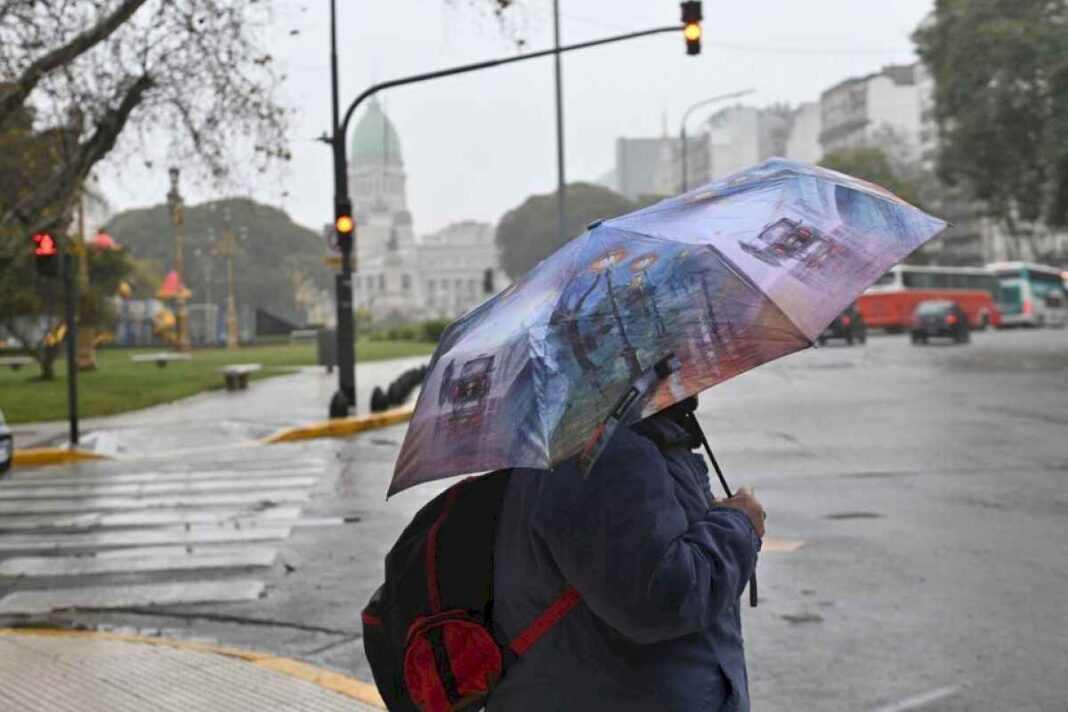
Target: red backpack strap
[{"x": 546, "y": 621}]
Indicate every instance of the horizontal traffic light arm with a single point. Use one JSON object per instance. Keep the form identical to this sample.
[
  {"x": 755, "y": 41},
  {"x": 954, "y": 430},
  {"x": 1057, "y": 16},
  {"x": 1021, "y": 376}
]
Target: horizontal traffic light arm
[{"x": 463, "y": 69}]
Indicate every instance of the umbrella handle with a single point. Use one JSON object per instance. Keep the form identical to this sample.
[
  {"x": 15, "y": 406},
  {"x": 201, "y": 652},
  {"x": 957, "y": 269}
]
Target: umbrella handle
[{"x": 726, "y": 488}]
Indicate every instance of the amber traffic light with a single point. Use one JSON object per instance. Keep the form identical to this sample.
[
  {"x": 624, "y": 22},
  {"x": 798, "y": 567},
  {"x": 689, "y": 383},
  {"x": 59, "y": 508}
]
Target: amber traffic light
[
  {"x": 691, "y": 25},
  {"x": 344, "y": 224}
]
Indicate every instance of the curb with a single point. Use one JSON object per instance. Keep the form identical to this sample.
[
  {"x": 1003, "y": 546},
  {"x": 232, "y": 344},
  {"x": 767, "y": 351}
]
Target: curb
[
  {"x": 42, "y": 456},
  {"x": 334, "y": 681},
  {"x": 340, "y": 428}
]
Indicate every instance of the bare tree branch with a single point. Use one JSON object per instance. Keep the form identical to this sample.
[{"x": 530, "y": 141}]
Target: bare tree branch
[
  {"x": 14, "y": 94},
  {"x": 61, "y": 187}
]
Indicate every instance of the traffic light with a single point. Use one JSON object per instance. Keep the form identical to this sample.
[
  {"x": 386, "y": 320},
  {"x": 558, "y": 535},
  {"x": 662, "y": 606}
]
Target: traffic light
[
  {"x": 46, "y": 255},
  {"x": 344, "y": 224},
  {"x": 691, "y": 25},
  {"x": 487, "y": 281}
]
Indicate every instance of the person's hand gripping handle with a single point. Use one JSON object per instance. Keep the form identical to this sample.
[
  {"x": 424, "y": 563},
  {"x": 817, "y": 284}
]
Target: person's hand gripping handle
[{"x": 743, "y": 500}]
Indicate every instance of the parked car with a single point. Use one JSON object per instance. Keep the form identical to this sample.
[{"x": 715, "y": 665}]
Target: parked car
[
  {"x": 7, "y": 445},
  {"x": 848, "y": 325},
  {"x": 939, "y": 318}
]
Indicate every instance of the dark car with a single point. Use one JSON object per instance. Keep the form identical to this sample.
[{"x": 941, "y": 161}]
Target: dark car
[
  {"x": 7, "y": 445},
  {"x": 848, "y": 325},
  {"x": 939, "y": 318}
]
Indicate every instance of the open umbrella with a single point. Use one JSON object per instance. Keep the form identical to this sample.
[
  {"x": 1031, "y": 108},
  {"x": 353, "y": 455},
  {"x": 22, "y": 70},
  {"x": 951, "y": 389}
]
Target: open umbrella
[{"x": 718, "y": 280}]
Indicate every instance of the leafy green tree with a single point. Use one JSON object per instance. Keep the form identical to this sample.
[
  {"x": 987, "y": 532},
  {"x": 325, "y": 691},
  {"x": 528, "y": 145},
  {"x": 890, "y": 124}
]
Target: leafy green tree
[
  {"x": 30, "y": 305},
  {"x": 1001, "y": 101},
  {"x": 273, "y": 252},
  {"x": 527, "y": 234}
]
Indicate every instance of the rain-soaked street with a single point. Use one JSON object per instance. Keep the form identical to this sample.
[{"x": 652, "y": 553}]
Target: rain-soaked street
[{"x": 916, "y": 557}]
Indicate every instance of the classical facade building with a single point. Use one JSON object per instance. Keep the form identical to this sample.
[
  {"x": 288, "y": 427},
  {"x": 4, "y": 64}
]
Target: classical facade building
[{"x": 400, "y": 277}]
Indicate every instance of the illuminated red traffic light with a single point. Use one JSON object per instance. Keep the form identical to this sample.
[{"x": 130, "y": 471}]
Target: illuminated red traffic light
[{"x": 45, "y": 245}]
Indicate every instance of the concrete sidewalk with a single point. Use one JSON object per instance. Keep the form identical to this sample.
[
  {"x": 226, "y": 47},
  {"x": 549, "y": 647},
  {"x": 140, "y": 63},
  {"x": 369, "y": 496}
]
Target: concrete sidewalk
[
  {"x": 218, "y": 418},
  {"x": 57, "y": 671}
]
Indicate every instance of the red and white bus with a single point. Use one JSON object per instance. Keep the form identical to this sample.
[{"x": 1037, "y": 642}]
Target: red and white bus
[{"x": 890, "y": 302}]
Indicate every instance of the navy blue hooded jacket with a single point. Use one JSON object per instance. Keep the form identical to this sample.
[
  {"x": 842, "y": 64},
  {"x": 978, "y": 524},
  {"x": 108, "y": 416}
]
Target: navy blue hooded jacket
[{"x": 660, "y": 570}]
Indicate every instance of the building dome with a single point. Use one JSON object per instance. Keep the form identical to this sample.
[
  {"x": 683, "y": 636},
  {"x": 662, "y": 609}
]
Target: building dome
[{"x": 375, "y": 140}]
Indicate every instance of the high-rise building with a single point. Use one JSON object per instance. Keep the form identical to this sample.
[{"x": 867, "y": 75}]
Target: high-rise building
[{"x": 880, "y": 108}]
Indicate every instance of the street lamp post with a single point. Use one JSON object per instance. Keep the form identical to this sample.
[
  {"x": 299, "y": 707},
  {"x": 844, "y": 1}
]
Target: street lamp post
[
  {"x": 228, "y": 249},
  {"x": 682, "y": 129},
  {"x": 181, "y": 314}
]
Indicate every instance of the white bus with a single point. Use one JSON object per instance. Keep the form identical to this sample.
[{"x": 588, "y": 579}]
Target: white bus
[{"x": 1031, "y": 294}]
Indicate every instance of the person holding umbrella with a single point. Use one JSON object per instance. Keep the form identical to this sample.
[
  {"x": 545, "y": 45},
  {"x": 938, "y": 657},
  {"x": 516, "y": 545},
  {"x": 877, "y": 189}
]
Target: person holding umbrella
[{"x": 660, "y": 565}]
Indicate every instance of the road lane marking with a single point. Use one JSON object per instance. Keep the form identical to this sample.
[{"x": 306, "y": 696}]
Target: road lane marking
[
  {"x": 918, "y": 701},
  {"x": 135, "y": 596},
  {"x": 199, "y": 534},
  {"x": 786, "y": 546},
  {"x": 135, "y": 489},
  {"x": 138, "y": 561},
  {"x": 97, "y": 504}
]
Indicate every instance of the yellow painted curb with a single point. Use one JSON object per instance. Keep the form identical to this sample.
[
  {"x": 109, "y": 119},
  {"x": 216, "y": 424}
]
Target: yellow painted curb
[
  {"x": 341, "y": 427},
  {"x": 342, "y": 684},
  {"x": 42, "y": 456}
]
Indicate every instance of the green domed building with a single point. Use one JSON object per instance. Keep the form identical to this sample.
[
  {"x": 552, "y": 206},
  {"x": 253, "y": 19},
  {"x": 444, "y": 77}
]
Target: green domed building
[{"x": 399, "y": 278}]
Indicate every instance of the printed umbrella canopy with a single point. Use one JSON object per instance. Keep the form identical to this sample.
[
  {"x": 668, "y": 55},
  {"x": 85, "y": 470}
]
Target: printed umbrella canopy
[{"x": 725, "y": 278}]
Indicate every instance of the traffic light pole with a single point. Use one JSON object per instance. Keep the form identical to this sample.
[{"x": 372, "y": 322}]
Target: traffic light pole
[
  {"x": 345, "y": 397},
  {"x": 70, "y": 296}
]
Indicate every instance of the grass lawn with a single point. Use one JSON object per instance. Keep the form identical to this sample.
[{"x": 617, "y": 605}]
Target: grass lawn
[{"x": 119, "y": 385}]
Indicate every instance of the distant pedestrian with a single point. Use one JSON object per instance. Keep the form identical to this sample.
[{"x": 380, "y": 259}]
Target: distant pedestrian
[{"x": 660, "y": 566}]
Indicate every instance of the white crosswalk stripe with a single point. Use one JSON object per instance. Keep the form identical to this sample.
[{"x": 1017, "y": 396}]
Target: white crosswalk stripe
[
  {"x": 172, "y": 537},
  {"x": 138, "y": 489},
  {"x": 96, "y": 504},
  {"x": 151, "y": 477},
  {"x": 145, "y": 518}
]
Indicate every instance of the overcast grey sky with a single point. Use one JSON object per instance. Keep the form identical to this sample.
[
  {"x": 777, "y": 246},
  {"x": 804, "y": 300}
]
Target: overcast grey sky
[{"x": 476, "y": 145}]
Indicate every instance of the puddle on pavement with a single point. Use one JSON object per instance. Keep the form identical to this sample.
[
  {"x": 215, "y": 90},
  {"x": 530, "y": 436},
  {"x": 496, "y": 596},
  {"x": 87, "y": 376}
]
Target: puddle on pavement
[{"x": 802, "y": 618}]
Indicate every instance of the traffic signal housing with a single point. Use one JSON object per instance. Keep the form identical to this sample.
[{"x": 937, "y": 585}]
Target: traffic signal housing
[
  {"x": 691, "y": 25},
  {"x": 344, "y": 224},
  {"x": 46, "y": 255}
]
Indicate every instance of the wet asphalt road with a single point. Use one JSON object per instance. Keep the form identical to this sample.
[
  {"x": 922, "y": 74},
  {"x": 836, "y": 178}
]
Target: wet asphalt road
[{"x": 918, "y": 527}]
